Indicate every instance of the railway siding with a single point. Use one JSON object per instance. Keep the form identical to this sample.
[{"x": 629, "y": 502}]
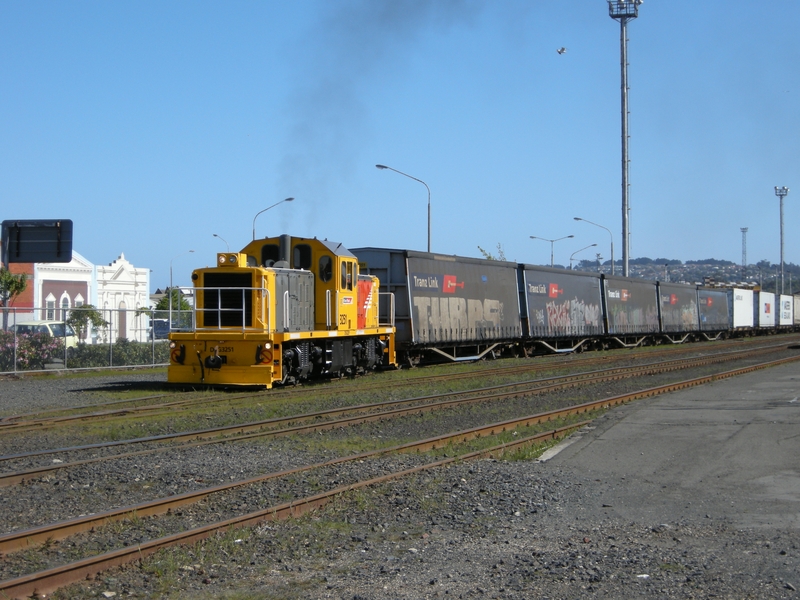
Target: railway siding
[{"x": 258, "y": 497}]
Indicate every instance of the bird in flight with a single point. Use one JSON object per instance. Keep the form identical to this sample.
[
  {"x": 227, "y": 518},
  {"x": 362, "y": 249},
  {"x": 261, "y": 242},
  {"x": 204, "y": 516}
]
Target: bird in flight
[{"x": 561, "y": 50}]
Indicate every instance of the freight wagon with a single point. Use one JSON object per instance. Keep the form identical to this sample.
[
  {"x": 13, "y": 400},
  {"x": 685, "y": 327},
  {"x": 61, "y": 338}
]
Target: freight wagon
[{"x": 447, "y": 307}]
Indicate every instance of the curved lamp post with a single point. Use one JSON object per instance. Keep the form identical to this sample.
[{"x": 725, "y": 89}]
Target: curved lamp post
[
  {"x": 265, "y": 210},
  {"x": 552, "y": 243},
  {"x": 576, "y": 251},
  {"x": 611, "y": 235},
  {"x": 429, "y": 197},
  {"x": 223, "y": 239}
]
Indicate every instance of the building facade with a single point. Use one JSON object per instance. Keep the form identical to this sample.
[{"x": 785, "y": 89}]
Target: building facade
[{"x": 116, "y": 290}]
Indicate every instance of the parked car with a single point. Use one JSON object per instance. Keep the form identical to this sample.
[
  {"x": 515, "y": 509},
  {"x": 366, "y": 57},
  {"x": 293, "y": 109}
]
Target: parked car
[
  {"x": 54, "y": 329},
  {"x": 160, "y": 329}
]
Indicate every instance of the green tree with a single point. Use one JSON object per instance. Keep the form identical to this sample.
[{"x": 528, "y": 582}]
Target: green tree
[
  {"x": 178, "y": 301},
  {"x": 84, "y": 317},
  {"x": 489, "y": 256},
  {"x": 181, "y": 309},
  {"x": 11, "y": 286}
]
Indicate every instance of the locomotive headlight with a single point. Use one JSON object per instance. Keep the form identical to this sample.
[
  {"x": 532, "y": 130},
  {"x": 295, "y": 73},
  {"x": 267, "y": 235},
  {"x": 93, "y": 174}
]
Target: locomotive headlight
[
  {"x": 232, "y": 258},
  {"x": 172, "y": 345},
  {"x": 222, "y": 259},
  {"x": 267, "y": 345}
]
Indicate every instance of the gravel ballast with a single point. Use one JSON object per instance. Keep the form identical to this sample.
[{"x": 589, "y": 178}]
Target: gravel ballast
[{"x": 485, "y": 529}]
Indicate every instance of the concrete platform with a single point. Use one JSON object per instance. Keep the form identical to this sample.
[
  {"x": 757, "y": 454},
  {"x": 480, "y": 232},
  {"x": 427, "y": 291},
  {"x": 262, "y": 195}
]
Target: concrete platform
[{"x": 728, "y": 450}]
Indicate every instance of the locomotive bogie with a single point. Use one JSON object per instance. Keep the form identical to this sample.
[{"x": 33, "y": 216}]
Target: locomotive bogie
[{"x": 250, "y": 359}]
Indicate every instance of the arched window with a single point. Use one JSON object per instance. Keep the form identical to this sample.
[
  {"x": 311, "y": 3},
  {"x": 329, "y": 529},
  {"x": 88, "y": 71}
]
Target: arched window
[
  {"x": 64, "y": 307},
  {"x": 50, "y": 307}
]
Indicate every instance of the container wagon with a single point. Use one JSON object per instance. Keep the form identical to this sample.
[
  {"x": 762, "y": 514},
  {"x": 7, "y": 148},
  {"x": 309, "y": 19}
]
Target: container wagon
[{"x": 447, "y": 307}]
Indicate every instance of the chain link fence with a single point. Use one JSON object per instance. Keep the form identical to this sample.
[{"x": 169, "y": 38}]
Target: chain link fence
[{"x": 43, "y": 339}]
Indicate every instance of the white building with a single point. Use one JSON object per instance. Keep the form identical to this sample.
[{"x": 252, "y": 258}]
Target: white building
[
  {"x": 117, "y": 290},
  {"x": 122, "y": 289}
]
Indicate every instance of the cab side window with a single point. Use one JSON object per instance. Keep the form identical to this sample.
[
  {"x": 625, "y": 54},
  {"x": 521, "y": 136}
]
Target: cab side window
[
  {"x": 270, "y": 253},
  {"x": 325, "y": 268},
  {"x": 302, "y": 257}
]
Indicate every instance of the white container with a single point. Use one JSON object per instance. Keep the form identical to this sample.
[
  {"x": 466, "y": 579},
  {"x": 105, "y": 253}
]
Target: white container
[
  {"x": 796, "y": 310},
  {"x": 766, "y": 309},
  {"x": 786, "y": 310},
  {"x": 741, "y": 303}
]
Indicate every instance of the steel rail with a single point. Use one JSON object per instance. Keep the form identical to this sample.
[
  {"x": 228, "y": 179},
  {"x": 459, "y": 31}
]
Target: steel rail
[
  {"x": 17, "y": 424},
  {"x": 154, "y": 410},
  {"x": 434, "y": 403},
  {"x": 22, "y": 539},
  {"x": 49, "y": 580},
  {"x": 45, "y": 582}
]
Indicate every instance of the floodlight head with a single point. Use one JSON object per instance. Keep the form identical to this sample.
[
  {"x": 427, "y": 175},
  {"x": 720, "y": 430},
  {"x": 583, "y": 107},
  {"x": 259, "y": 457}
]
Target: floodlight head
[{"x": 624, "y": 9}]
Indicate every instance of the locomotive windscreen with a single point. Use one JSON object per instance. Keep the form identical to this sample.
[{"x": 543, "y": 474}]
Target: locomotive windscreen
[{"x": 227, "y": 307}]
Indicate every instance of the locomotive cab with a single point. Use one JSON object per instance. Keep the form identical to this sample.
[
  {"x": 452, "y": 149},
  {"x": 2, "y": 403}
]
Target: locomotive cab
[{"x": 282, "y": 310}]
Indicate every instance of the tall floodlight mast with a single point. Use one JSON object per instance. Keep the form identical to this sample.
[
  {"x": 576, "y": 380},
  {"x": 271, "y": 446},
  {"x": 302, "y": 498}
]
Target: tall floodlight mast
[
  {"x": 624, "y": 11},
  {"x": 744, "y": 253}
]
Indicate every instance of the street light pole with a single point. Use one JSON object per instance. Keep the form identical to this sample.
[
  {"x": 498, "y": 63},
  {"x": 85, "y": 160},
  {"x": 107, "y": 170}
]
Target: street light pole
[
  {"x": 781, "y": 192},
  {"x": 429, "y": 197},
  {"x": 576, "y": 251},
  {"x": 265, "y": 210},
  {"x": 223, "y": 239},
  {"x": 624, "y": 11},
  {"x": 170, "y": 284},
  {"x": 611, "y": 235},
  {"x": 552, "y": 243}
]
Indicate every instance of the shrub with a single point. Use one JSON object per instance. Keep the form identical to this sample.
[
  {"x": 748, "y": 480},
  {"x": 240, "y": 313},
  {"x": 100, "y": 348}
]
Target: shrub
[
  {"x": 123, "y": 353},
  {"x": 34, "y": 350}
]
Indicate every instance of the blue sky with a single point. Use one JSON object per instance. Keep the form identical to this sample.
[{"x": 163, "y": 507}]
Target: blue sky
[{"x": 154, "y": 125}]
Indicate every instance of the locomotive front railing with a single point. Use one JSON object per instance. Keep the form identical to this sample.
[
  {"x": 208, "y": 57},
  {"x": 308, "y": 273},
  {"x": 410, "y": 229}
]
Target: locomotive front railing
[{"x": 263, "y": 301}]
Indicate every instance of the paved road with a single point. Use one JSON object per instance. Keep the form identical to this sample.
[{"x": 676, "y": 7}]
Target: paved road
[{"x": 725, "y": 451}]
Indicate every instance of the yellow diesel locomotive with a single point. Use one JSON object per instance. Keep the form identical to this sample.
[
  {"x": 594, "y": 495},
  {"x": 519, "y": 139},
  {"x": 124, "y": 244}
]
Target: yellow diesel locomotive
[{"x": 282, "y": 310}]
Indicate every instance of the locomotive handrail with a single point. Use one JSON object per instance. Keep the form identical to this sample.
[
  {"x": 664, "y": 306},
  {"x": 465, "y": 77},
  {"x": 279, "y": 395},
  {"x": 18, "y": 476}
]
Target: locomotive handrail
[
  {"x": 328, "y": 309},
  {"x": 390, "y": 314},
  {"x": 286, "y": 326}
]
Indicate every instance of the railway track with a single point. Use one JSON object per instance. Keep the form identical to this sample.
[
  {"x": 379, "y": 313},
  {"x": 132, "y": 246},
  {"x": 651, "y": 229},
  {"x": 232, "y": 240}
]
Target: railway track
[
  {"x": 347, "y": 416},
  {"x": 50, "y": 579},
  {"x": 125, "y": 409}
]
